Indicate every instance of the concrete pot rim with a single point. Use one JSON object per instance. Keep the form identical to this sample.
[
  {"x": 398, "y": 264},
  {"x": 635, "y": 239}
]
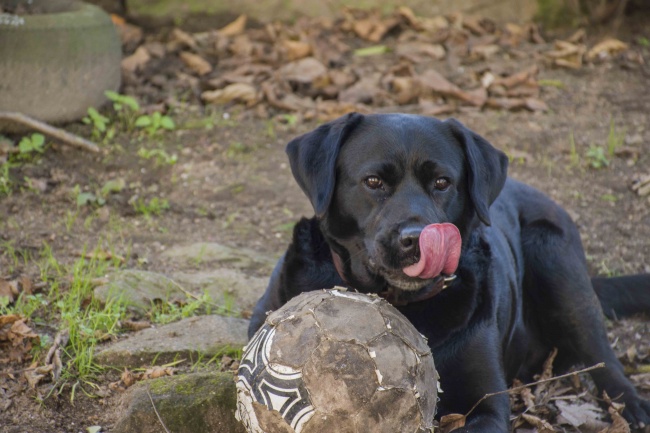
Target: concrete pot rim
[{"x": 68, "y": 14}]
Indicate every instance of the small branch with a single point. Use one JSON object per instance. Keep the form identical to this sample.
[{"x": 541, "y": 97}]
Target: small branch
[
  {"x": 519, "y": 388},
  {"x": 156, "y": 411},
  {"x": 58, "y": 133}
]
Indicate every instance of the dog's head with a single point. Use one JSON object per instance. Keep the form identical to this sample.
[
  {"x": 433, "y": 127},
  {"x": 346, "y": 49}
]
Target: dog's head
[{"x": 379, "y": 182}]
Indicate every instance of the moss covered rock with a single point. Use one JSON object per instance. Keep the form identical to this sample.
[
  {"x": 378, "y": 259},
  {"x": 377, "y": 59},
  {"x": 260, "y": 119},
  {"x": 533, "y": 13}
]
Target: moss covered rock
[{"x": 192, "y": 403}]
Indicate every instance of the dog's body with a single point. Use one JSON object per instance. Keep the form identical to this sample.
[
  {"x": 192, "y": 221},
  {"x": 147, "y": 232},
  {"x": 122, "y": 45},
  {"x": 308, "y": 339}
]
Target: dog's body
[{"x": 377, "y": 182}]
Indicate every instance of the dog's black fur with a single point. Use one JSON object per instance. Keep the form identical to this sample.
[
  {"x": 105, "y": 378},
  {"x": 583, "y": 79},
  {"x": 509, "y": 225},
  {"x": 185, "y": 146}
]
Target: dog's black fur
[{"x": 522, "y": 286}]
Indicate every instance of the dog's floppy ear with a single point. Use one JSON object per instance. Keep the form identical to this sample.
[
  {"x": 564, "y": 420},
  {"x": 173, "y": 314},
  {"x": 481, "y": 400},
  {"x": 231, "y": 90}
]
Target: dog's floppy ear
[
  {"x": 487, "y": 168},
  {"x": 313, "y": 159}
]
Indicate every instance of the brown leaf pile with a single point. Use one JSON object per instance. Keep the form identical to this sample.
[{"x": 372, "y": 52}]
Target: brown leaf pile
[
  {"x": 563, "y": 405},
  {"x": 360, "y": 61},
  {"x": 11, "y": 288},
  {"x": 552, "y": 404},
  {"x": 16, "y": 339}
]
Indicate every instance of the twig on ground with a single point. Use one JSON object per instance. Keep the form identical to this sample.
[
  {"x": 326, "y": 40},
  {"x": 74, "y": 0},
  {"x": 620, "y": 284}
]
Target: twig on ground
[
  {"x": 58, "y": 133},
  {"x": 53, "y": 356},
  {"x": 550, "y": 379},
  {"x": 156, "y": 411}
]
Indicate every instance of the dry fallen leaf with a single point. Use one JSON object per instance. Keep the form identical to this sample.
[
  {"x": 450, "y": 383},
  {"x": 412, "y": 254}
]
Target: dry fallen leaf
[
  {"x": 183, "y": 38},
  {"x": 541, "y": 425},
  {"x": 128, "y": 378},
  {"x": 566, "y": 54},
  {"x": 406, "y": 89},
  {"x": 156, "y": 372},
  {"x": 8, "y": 290},
  {"x": 235, "y": 28},
  {"x": 102, "y": 255},
  {"x": 525, "y": 394},
  {"x": 364, "y": 91},
  {"x": 129, "y": 34},
  {"x": 371, "y": 29},
  {"x": 407, "y": 14},
  {"x": 33, "y": 378},
  {"x": 577, "y": 414},
  {"x": 451, "y": 422},
  {"x": 16, "y": 338},
  {"x": 241, "y": 92},
  {"x": 196, "y": 63},
  {"x": 435, "y": 82},
  {"x": 418, "y": 52},
  {"x": 484, "y": 52},
  {"x": 305, "y": 70},
  {"x": 132, "y": 325},
  {"x": 619, "y": 424},
  {"x": 534, "y": 104},
  {"x": 607, "y": 48},
  {"x": 295, "y": 50},
  {"x": 137, "y": 60}
]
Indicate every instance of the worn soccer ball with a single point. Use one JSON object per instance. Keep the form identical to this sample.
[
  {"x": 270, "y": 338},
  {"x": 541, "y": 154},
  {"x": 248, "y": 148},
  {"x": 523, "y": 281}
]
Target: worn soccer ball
[{"x": 337, "y": 361}]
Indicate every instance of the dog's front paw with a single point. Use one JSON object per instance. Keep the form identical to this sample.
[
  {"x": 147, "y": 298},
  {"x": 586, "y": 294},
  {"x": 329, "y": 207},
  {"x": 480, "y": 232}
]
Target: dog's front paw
[{"x": 637, "y": 413}]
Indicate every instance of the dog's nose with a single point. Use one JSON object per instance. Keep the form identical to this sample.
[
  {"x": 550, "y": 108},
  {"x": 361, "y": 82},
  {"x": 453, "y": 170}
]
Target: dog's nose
[{"x": 409, "y": 239}]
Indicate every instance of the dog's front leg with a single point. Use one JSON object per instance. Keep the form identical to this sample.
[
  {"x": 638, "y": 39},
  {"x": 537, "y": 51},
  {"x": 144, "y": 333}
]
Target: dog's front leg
[{"x": 468, "y": 372}]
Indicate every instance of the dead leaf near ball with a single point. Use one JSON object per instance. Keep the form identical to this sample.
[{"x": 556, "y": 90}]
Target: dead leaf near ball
[
  {"x": 619, "y": 424},
  {"x": 451, "y": 422},
  {"x": 579, "y": 414},
  {"x": 540, "y": 425}
]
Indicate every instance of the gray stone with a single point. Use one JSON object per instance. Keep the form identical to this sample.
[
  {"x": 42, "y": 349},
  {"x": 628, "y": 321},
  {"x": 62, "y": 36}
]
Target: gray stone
[
  {"x": 139, "y": 289},
  {"x": 499, "y": 10},
  {"x": 185, "y": 339},
  {"x": 192, "y": 403},
  {"x": 211, "y": 252},
  {"x": 224, "y": 286}
]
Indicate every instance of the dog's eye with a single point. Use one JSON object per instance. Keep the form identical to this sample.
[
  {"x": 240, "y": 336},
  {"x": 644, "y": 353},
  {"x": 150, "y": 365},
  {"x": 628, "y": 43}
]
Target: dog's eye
[
  {"x": 442, "y": 183},
  {"x": 373, "y": 182}
]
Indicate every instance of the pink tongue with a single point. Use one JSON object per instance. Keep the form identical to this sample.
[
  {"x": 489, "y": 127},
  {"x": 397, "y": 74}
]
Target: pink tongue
[{"x": 439, "y": 252}]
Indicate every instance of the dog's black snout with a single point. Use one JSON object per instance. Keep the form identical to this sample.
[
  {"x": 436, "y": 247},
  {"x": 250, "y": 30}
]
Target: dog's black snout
[{"x": 409, "y": 239}]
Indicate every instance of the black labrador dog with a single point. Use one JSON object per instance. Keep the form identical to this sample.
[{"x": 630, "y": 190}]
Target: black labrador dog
[{"x": 490, "y": 270}]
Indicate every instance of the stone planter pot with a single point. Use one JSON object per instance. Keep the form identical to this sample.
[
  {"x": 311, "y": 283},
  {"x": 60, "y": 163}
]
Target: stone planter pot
[{"x": 58, "y": 62}]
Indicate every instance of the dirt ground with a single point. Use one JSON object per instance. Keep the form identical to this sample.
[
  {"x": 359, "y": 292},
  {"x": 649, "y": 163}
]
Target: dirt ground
[{"x": 232, "y": 185}]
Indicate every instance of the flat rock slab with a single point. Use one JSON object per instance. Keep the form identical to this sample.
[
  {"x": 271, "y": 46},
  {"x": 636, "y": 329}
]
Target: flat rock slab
[
  {"x": 224, "y": 286},
  {"x": 191, "y": 403},
  {"x": 210, "y": 252},
  {"x": 139, "y": 289},
  {"x": 186, "y": 339},
  {"x": 231, "y": 288}
]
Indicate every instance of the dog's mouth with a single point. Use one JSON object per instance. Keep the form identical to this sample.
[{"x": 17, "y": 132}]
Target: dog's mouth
[
  {"x": 432, "y": 272},
  {"x": 438, "y": 256},
  {"x": 400, "y": 292},
  {"x": 439, "y": 250},
  {"x": 400, "y": 280}
]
